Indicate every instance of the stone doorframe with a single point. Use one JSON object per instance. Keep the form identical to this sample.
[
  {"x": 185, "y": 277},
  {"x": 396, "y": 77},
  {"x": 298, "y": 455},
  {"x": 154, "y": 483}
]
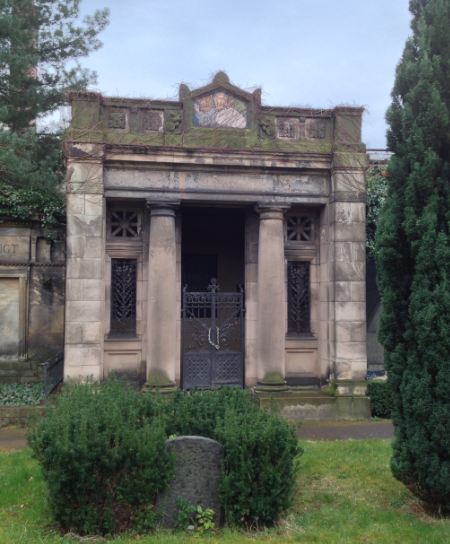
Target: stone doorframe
[{"x": 21, "y": 273}]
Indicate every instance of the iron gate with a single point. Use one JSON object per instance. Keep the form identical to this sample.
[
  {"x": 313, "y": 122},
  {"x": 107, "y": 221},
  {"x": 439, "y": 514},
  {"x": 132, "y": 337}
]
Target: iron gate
[{"x": 212, "y": 338}]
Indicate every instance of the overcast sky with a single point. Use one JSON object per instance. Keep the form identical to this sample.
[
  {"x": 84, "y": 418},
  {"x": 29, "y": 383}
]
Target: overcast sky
[{"x": 318, "y": 53}]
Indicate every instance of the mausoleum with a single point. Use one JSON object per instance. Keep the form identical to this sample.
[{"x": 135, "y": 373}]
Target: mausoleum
[{"x": 213, "y": 240}]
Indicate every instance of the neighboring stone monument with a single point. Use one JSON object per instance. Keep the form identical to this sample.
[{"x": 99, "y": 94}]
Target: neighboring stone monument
[
  {"x": 196, "y": 480},
  {"x": 32, "y": 274}
]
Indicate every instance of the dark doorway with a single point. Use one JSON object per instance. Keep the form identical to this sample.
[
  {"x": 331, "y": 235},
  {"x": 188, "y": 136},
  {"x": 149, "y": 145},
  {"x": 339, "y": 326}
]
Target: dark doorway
[{"x": 213, "y": 300}]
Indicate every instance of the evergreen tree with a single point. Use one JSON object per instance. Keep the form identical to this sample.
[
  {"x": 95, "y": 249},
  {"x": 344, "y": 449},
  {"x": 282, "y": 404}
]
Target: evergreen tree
[
  {"x": 413, "y": 245},
  {"x": 41, "y": 42}
]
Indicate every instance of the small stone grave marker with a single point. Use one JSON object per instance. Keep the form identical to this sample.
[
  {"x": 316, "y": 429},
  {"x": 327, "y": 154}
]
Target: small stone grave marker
[{"x": 196, "y": 478}]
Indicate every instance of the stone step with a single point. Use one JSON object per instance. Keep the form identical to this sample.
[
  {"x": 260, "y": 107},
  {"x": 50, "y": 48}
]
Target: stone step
[
  {"x": 19, "y": 379},
  {"x": 18, "y": 366}
]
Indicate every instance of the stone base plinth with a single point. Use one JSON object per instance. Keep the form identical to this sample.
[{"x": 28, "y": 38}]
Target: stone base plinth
[{"x": 314, "y": 404}]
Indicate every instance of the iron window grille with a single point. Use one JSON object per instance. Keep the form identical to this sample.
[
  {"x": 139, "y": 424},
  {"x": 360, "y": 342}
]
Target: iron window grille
[
  {"x": 125, "y": 224},
  {"x": 299, "y": 228},
  {"x": 123, "y": 296},
  {"x": 298, "y": 287}
]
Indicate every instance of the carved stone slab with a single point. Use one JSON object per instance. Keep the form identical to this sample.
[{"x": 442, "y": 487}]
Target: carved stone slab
[{"x": 196, "y": 479}]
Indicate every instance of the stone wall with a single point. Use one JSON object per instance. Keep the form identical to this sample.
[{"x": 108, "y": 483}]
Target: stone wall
[{"x": 32, "y": 267}]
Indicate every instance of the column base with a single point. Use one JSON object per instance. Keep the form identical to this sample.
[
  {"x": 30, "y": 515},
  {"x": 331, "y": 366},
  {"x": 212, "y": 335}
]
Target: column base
[
  {"x": 272, "y": 382},
  {"x": 157, "y": 380}
]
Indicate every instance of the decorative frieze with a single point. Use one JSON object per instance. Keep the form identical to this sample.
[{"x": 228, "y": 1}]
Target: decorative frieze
[
  {"x": 117, "y": 118},
  {"x": 153, "y": 120}
]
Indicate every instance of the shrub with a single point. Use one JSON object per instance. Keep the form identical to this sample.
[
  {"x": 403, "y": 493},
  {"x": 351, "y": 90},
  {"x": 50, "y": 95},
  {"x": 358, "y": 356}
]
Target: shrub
[
  {"x": 380, "y": 398},
  {"x": 197, "y": 412},
  {"x": 258, "y": 474},
  {"x": 21, "y": 394},
  {"x": 104, "y": 458}
]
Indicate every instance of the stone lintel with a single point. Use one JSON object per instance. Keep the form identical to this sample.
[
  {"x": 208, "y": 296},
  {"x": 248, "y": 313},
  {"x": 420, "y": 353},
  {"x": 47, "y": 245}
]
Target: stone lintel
[{"x": 199, "y": 158}]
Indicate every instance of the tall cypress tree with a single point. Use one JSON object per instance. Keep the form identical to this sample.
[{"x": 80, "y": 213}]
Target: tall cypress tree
[
  {"x": 41, "y": 42},
  {"x": 413, "y": 246}
]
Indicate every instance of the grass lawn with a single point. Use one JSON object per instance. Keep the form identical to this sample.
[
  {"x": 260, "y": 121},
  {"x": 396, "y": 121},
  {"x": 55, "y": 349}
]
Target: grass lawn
[{"x": 345, "y": 494}]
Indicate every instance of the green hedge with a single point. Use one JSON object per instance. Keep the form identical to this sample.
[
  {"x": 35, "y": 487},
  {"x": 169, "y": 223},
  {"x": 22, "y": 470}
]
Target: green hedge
[
  {"x": 258, "y": 472},
  {"x": 104, "y": 458},
  {"x": 380, "y": 398},
  {"x": 103, "y": 454}
]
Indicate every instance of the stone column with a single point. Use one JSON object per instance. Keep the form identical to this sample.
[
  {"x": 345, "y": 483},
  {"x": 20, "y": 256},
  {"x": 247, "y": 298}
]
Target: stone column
[
  {"x": 271, "y": 325},
  {"x": 162, "y": 301}
]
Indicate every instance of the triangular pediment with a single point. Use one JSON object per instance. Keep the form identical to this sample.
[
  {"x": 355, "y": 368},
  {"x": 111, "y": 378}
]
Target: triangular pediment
[{"x": 220, "y": 104}]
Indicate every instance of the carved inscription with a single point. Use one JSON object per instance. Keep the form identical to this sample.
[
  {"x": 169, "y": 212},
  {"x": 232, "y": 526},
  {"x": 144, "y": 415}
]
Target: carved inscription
[
  {"x": 14, "y": 248},
  {"x": 8, "y": 248}
]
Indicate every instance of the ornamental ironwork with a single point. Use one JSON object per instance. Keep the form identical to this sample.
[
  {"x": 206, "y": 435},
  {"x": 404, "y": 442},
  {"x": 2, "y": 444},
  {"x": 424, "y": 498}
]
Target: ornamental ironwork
[
  {"x": 123, "y": 296},
  {"x": 212, "y": 338},
  {"x": 299, "y": 228},
  {"x": 125, "y": 224},
  {"x": 298, "y": 297}
]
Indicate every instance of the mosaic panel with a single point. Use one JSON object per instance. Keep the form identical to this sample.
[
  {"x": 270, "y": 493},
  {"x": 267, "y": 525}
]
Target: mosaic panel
[{"x": 219, "y": 109}]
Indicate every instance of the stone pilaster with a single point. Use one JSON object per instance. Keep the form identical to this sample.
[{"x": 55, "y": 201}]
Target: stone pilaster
[
  {"x": 163, "y": 304},
  {"x": 85, "y": 284},
  {"x": 348, "y": 271},
  {"x": 271, "y": 324}
]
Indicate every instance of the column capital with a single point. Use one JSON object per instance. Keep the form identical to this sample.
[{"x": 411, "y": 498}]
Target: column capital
[
  {"x": 162, "y": 207},
  {"x": 271, "y": 210}
]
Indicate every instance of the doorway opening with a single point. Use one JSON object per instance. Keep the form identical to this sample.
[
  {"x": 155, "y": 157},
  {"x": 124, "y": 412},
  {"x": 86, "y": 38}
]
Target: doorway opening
[{"x": 212, "y": 271}]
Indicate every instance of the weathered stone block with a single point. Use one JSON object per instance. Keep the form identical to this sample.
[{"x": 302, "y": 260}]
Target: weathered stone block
[
  {"x": 92, "y": 332},
  {"x": 350, "y": 350},
  {"x": 349, "y": 212},
  {"x": 83, "y": 311},
  {"x": 350, "y": 271},
  {"x": 84, "y": 225},
  {"x": 93, "y": 289},
  {"x": 94, "y": 248},
  {"x": 349, "y": 233},
  {"x": 348, "y": 182},
  {"x": 85, "y": 177},
  {"x": 358, "y": 291},
  {"x": 342, "y": 291},
  {"x": 75, "y": 247},
  {"x": 75, "y": 204},
  {"x": 84, "y": 268},
  {"x": 80, "y": 356},
  {"x": 196, "y": 480},
  {"x": 351, "y": 331},
  {"x": 94, "y": 205},
  {"x": 350, "y": 311},
  {"x": 77, "y": 372}
]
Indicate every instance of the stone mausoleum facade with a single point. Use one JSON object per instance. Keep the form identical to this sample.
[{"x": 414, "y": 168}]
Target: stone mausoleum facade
[{"x": 215, "y": 241}]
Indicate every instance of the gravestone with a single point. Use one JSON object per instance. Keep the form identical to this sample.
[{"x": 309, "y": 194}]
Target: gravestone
[{"x": 196, "y": 479}]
